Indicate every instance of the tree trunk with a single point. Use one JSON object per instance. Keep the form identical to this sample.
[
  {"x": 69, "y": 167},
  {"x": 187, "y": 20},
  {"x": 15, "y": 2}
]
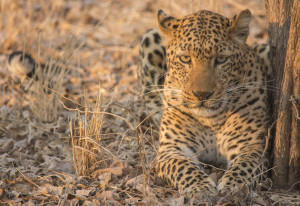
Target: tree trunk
[{"x": 284, "y": 34}]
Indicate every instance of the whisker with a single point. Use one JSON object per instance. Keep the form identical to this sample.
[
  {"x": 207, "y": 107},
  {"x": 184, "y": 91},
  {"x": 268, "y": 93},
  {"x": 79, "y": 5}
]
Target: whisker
[
  {"x": 251, "y": 86},
  {"x": 246, "y": 78}
]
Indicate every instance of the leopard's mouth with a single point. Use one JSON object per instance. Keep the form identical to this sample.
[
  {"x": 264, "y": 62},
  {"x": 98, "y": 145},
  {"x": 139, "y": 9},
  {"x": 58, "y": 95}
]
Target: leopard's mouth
[
  {"x": 210, "y": 107},
  {"x": 192, "y": 105},
  {"x": 209, "y": 103},
  {"x": 213, "y": 103}
]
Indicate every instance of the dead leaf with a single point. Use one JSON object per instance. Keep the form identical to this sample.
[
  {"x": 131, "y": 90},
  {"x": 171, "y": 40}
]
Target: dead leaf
[
  {"x": 175, "y": 201},
  {"x": 133, "y": 200},
  {"x": 136, "y": 183},
  {"x": 57, "y": 164},
  {"x": 16, "y": 133},
  {"x": 30, "y": 203},
  {"x": 116, "y": 171},
  {"x": 105, "y": 177},
  {"x": 152, "y": 200},
  {"x": 81, "y": 186},
  {"x": 105, "y": 194},
  {"x": 81, "y": 197},
  {"x": 23, "y": 188},
  {"x": 20, "y": 155},
  {"x": 275, "y": 198},
  {"x": 49, "y": 190},
  {"x": 8, "y": 146},
  {"x": 83, "y": 192},
  {"x": 72, "y": 201},
  {"x": 87, "y": 203},
  {"x": 26, "y": 114}
]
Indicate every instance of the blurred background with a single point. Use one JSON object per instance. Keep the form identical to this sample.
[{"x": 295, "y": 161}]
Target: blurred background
[
  {"x": 103, "y": 34},
  {"x": 106, "y": 32}
]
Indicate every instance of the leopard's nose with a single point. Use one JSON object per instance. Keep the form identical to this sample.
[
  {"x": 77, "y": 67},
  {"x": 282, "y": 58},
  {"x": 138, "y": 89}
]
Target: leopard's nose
[{"x": 202, "y": 95}]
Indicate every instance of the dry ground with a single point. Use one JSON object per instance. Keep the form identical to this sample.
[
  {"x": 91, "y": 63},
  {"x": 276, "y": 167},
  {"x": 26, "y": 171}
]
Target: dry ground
[{"x": 80, "y": 143}]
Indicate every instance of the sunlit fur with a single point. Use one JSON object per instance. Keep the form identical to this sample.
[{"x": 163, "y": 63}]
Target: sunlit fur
[{"x": 214, "y": 102}]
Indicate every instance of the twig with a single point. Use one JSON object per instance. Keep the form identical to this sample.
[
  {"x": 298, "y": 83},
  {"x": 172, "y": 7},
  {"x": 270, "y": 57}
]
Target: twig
[
  {"x": 58, "y": 172},
  {"x": 92, "y": 112},
  {"x": 295, "y": 106},
  {"x": 268, "y": 139},
  {"x": 27, "y": 178},
  {"x": 293, "y": 186}
]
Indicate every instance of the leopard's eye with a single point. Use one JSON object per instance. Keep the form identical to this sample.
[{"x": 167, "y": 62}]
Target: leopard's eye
[
  {"x": 220, "y": 60},
  {"x": 185, "y": 59}
]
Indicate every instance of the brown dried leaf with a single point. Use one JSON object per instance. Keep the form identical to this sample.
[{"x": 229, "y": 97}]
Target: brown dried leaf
[
  {"x": 16, "y": 133},
  {"x": 39, "y": 197},
  {"x": 30, "y": 203},
  {"x": 8, "y": 146},
  {"x": 88, "y": 203},
  {"x": 136, "y": 183},
  {"x": 57, "y": 164},
  {"x": 275, "y": 198},
  {"x": 23, "y": 188},
  {"x": 83, "y": 192},
  {"x": 116, "y": 171},
  {"x": 49, "y": 190},
  {"x": 105, "y": 177},
  {"x": 72, "y": 202},
  {"x": 20, "y": 155},
  {"x": 105, "y": 194},
  {"x": 81, "y": 197},
  {"x": 175, "y": 201},
  {"x": 151, "y": 200},
  {"x": 133, "y": 200}
]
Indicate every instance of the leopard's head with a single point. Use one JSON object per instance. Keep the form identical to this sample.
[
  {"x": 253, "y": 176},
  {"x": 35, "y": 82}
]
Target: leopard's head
[{"x": 205, "y": 56}]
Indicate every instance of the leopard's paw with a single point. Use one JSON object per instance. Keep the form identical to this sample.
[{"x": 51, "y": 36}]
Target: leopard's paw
[{"x": 203, "y": 192}]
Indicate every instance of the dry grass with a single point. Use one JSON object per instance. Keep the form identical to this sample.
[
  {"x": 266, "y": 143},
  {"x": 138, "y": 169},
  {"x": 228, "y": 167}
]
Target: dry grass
[
  {"x": 86, "y": 130},
  {"x": 43, "y": 96},
  {"x": 78, "y": 142}
]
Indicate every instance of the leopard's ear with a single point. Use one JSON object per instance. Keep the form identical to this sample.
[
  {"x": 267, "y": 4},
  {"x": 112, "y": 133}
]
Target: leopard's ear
[
  {"x": 166, "y": 23},
  {"x": 239, "y": 29}
]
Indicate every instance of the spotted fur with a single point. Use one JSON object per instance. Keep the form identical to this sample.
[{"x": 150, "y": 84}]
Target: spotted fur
[
  {"x": 152, "y": 72},
  {"x": 215, "y": 100},
  {"x": 152, "y": 80},
  {"x": 263, "y": 51}
]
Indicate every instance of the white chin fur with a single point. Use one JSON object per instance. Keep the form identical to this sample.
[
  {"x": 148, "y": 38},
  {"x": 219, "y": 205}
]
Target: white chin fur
[{"x": 206, "y": 112}]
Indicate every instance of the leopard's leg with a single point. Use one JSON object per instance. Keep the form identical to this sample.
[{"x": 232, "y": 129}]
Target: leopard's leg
[
  {"x": 244, "y": 171},
  {"x": 181, "y": 173},
  {"x": 245, "y": 160},
  {"x": 179, "y": 156},
  {"x": 152, "y": 72}
]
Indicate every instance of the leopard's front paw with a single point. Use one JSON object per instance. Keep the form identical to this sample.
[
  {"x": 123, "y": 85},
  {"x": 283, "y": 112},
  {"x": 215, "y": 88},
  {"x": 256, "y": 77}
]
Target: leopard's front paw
[
  {"x": 230, "y": 185},
  {"x": 204, "y": 191}
]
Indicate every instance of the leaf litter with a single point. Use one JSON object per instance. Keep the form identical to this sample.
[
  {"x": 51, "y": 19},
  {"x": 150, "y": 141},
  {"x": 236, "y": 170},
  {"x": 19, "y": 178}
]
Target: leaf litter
[{"x": 79, "y": 142}]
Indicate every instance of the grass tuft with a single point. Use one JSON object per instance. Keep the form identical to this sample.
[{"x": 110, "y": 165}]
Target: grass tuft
[{"x": 86, "y": 130}]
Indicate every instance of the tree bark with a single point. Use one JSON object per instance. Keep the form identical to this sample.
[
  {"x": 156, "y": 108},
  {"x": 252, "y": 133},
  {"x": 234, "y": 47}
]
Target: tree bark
[
  {"x": 293, "y": 61},
  {"x": 284, "y": 31}
]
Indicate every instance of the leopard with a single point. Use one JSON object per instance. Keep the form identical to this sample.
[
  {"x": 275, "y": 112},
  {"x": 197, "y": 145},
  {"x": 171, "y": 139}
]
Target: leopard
[
  {"x": 153, "y": 68},
  {"x": 207, "y": 91}
]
